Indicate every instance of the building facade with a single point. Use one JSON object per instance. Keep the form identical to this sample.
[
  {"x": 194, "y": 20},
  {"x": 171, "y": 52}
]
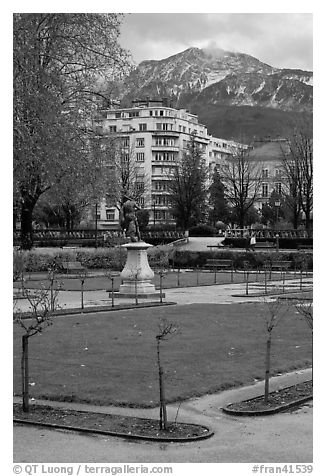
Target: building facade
[
  {"x": 268, "y": 155},
  {"x": 153, "y": 136}
]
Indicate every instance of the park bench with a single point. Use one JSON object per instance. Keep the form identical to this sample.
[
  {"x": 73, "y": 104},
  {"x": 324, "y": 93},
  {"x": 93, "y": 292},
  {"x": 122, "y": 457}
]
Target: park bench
[
  {"x": 219, "y": 264},
  {"x": 264, "y": 245},
  {"x": 72, "y": 266},
  {"x": 304, "y": 247},
  {"x": 279, "y": 265}
]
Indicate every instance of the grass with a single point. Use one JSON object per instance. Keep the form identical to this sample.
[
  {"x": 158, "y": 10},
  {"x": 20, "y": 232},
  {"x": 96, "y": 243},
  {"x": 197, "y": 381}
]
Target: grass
[
  {"x": 111, "y": 357},
  {"x": 171, "y": 280}
]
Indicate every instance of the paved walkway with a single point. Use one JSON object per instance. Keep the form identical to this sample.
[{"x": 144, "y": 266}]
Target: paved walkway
[
  {"x": 284, "y": 437},
  {"x": 215, "y": 294}
]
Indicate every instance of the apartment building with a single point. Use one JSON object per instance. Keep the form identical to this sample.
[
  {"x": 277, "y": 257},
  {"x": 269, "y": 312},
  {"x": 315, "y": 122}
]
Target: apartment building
[
  {"x": 154, "y": 135},
  {"x": 268, "y": 155}
]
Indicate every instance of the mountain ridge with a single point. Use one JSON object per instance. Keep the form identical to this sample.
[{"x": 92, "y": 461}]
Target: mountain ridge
[{"x": 199, "y": 79}]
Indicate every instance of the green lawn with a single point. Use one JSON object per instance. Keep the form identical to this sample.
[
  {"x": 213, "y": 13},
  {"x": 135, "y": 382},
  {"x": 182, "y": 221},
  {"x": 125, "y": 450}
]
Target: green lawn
[
  {"x": 111, "y": 357},
  {"x": 171, "y": 280}
]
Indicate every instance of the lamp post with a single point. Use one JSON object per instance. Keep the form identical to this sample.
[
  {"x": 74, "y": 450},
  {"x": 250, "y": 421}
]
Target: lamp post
[
  {"x": 277, "y": 205},
  {"x": 96, "y": 225},
  {"x": 154, "y": 212}
]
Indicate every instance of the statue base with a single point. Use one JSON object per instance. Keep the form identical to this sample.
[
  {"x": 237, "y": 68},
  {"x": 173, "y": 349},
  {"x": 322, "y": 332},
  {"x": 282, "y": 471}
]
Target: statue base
[{"x": 137, "y": 274}]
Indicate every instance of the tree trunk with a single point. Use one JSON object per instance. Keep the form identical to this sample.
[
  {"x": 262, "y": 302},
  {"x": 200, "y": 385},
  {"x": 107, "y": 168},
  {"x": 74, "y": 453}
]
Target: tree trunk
[
  {"x": 26, "y": 233},
  {"x": 163, "y": 413},
  {"x": 25, "y": 373},
  {"x": 267, "y": 367}
]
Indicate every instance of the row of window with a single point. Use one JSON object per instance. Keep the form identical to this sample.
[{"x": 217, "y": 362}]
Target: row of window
[
  {"x": 166, "y": 156},
  {"x": 160, "y": 186},
  {"x": 265, "y": 173},
  {"x": 161, "y": 200},
  {"x": 265, "y": 189}
]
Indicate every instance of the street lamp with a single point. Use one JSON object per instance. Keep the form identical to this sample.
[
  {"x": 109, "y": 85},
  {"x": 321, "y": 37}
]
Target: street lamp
[
  {"x": 154, "y": 212},
  {"x": 277, "y": 205}
]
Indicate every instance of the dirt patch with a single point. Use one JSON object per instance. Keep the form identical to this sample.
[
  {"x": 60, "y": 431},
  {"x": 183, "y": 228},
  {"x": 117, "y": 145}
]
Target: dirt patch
[
  {"x": 278, "y": 399},
  {"x": 111, "y": 424}
]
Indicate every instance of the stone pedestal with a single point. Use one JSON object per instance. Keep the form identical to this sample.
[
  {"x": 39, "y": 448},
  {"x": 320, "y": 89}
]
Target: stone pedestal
[{"x": 137, "y": 275}]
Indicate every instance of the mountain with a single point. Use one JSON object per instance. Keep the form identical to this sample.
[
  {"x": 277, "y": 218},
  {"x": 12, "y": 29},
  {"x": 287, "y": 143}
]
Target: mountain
[{"x": 232, "y": 93}]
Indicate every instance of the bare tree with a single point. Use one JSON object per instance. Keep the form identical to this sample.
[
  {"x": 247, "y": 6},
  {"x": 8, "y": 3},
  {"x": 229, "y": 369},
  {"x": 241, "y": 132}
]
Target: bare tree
[
  {"x": 305, "y": 309},
  {"x": 242, "y": 179},
  {"x": 276, "y": 309},
  {"x": 166, "y": 330},
  {"x": 188, "y": 187},
  {"x": 42, "y": 303},
  {"x": 298, "y": 170},
  {"x": 128, "y": 178}
]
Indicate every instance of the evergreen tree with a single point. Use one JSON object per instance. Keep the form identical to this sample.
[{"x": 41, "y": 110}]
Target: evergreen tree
[{"x": 219, "y": 210}]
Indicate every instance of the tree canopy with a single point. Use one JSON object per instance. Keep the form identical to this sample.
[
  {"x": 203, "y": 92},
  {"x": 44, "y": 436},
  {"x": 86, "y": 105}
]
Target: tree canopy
[{"x": 61, "y": 62}]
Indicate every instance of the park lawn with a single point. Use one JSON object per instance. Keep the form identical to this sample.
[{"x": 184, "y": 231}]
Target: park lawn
[
  {"x": 110, "y": 358},
  {"x": 170, "y": 280}
]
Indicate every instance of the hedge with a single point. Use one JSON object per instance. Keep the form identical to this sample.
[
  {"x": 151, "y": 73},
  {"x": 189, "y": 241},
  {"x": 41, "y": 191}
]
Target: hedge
[
  {"x": 103, "y": 258},
  {"x": 256, "y": 260},
  {"x": 284, "y": 243}
]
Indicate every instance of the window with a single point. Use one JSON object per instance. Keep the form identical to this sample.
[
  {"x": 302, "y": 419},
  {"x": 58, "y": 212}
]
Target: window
[
  {"x": 150, "y": 113},
  {"x": 164, "y": 126},
  {"x": 265, "y": 173},
  {"x": 161, "y": 113},
  {"x": 140, "y": 186},
  {"x": 118, "y": 115},
  {"x": 165, "y": 141},
  {"x": 140, "y": 157},
  {"x": 140, "y": 142},
  {"x": 161, "y": 186},
  {"x": 125, "y": 157},
  {"x": 141, "y": 201},
  {"x": 166, "y": 156},
  {"x": 278, "y": 173},
  {"x": 264, "y": 187},
  {"x": 125, "y": 142},
  {"x": 113, "y": 128},
  {"x": 110, "y": 214},
  {"x": 278, "y": 188},
  {"x": 143, "y": 127}
]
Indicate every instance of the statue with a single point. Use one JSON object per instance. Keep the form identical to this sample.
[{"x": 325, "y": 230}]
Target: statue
[{"x": 130, "y": 223}]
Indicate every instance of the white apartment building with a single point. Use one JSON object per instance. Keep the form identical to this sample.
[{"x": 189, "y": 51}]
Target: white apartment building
[{"x": 155, "y": 135}]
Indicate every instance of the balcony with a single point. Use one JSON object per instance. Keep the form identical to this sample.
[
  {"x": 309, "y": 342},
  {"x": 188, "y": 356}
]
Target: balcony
[
  {"x": 165, "y": 133},
  {"x": 165, "y": 148}
]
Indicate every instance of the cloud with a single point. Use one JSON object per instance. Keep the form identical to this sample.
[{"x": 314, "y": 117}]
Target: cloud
[{"x": 280, "y": 39}]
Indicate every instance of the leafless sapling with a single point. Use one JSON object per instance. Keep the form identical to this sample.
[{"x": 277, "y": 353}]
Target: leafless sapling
[
  {"x": 42, "y": 304},
  {"x": 275, "y": 312},
  {"x": 166, "y": 330}
]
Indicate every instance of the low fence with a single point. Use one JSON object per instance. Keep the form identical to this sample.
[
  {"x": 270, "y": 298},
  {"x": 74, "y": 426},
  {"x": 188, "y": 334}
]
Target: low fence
[{"x": 59, "y": 238}]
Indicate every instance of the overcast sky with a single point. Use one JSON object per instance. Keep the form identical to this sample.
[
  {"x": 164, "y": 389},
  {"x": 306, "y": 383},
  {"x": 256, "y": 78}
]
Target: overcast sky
[{"x": 282, "y": 40}]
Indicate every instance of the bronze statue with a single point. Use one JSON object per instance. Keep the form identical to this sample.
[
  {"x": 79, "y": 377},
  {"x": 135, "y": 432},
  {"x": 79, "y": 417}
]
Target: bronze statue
[{"x": 130, "y": 223}]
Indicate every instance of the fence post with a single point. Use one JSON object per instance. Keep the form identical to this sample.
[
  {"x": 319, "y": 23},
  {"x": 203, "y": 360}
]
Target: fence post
[
  {"x": 112, "y": 290},
  {"x": 265, "y": 279},
  {"x": 300, "y": 279}
]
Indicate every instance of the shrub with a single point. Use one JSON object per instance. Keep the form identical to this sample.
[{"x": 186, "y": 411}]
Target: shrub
[
  {"x": 202, "y": 230},
  {"x": 256, "y": 260}
]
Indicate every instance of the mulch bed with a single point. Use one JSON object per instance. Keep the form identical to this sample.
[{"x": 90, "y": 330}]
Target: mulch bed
[
  {"x": 117, "y": 425},
  {"x": 277, "y": 401}
]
